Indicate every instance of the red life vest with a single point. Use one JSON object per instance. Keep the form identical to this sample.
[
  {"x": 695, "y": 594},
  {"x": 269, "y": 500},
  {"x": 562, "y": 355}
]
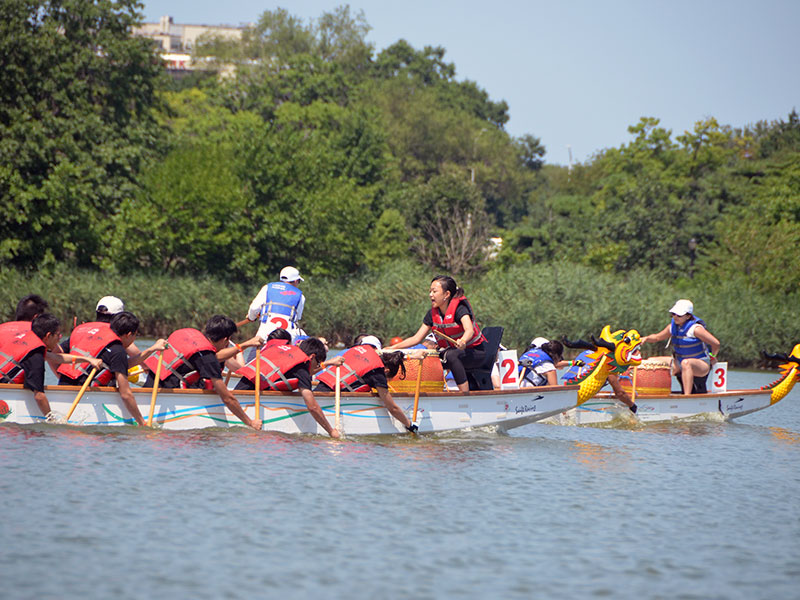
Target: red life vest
[
  {"x": 89, "y": 339},
  {"x": 275, "y": 362},
  {"x": 448, "y": 325},
  {"x": 16, "y": 343},
  {"x": 183, "y": 344},
  {"x": 15, "y": 326},
  {"x": 358, "y": 361}
]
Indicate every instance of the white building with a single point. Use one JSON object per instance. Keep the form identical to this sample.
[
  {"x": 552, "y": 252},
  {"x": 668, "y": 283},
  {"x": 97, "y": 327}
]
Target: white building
[{"x": 176, "y": 41}]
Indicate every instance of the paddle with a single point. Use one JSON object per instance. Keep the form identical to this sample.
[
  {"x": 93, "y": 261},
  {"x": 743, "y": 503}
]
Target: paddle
[
  {"x": 417, "y": 389},
  {"x": 633, "y": 385},
  {"x": 155, "y": 389},
  {"x": 81, "y": 392},
  {"x": 447, "y": 337},
  {"x": 258, "y": 383},
  {"x": 338, "y": 408}
]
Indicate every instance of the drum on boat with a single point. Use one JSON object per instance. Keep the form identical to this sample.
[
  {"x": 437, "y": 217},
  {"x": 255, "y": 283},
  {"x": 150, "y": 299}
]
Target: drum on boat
[
  {"x": 432, "y": 376},
  {"x": 652, "y": 376}
]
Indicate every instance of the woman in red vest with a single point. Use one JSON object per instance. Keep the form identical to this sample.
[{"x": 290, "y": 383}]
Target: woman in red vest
[{"x": 451, "y": 316}]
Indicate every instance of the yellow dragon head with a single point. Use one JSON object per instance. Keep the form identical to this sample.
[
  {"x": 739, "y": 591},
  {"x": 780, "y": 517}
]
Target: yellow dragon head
[
  {"x": 614, "y": 352},
  {"x": 790, "y": 374}
]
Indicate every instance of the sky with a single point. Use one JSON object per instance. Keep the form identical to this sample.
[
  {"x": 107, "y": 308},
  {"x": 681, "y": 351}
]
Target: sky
[{"x": 578, "y": 73}]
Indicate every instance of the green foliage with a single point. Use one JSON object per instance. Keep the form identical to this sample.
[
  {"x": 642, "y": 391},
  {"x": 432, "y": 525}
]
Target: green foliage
[
  {"x": 75, "y": 124},
  {"x": 190, "y": 218},
  {"x": 388, "y": 240}
]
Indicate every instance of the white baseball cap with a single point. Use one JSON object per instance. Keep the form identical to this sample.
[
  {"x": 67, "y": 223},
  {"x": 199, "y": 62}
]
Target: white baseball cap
[
  {"x": 371, "y": 340},
  {"x": 290, "y": 274},
  {"x": 682, "y": 307},
  {"x": 539, "y": 342},
  {"x": 110, "y": 305}
]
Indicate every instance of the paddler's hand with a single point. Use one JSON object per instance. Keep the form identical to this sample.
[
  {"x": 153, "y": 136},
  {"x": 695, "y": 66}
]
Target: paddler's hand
[
  {"x": 95, "y": 362},
  {"x": 335, "y": 434},
  {"x": 461, "y": 344},
  {"x": 253, "y": 341},
  {"x": 256, "y": 424},
  {"x": 336, "y": 361},
  {"x": 159, "y": 346}
]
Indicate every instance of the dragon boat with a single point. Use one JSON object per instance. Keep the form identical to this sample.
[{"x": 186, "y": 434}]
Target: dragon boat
[
  {"x": 604, "y": 409},
  {"x": 360, "y": 413}
]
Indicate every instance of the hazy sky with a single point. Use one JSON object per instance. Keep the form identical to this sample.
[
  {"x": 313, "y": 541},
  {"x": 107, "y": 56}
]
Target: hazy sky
[{"x": 577, "y": 73}]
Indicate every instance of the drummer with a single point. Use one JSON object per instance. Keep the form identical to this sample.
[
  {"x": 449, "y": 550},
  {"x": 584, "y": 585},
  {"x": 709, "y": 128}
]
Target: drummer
[
  {"x": 452, "y": 319},
  {"x": 694, "y": 347}
]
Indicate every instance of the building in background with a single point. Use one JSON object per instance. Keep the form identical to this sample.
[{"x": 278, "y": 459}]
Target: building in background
[{"x": 176, "y": 41}]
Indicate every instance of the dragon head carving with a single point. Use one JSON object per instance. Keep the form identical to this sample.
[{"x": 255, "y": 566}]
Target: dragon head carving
[
  {"x": 613, "y": 352},
  {"x": 790, "y": 374}
]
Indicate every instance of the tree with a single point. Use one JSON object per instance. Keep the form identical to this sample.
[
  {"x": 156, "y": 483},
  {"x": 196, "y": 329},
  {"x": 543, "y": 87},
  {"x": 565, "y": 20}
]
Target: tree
[
  {"x": 76, "y": 125},
  {"x": 189, "y": 218},
  {"x": 452, "y": 227}
]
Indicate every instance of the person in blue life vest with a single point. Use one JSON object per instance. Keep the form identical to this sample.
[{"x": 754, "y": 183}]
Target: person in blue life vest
[
  {"x": 694, "y": 348},
  {"x": 451, "y": 315},
  {"x": 289, "y": 368},
  {"x": 279, "y": 304},
  {"x": 364, "y": 369},
  {"x": 539, "y": 363},
  {"x": 23, "y": 347},
  {"x": 194, "y": 359},
  {"x": 107, "y": 341}
]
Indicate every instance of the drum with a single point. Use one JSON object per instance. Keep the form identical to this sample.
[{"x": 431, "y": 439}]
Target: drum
[
  {"x": 653, "y": 376},
  {"x": 432, "y": 376}
]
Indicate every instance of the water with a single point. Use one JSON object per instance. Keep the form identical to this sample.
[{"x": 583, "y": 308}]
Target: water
[{"x": 698, "y": 510}]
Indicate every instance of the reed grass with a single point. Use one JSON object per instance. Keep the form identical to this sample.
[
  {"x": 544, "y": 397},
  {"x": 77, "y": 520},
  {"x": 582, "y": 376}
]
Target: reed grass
[{"x": 549, "y": 300}]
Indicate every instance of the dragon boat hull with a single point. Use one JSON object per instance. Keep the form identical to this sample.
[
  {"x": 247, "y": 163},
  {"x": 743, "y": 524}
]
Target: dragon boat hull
[
  {"x": 604, "y": 409},
  {"x": 361, "y": 413}
]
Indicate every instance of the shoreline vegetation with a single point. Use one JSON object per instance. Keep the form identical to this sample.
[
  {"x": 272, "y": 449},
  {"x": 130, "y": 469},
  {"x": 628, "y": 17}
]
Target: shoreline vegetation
[{"x": 550, "y": 300}]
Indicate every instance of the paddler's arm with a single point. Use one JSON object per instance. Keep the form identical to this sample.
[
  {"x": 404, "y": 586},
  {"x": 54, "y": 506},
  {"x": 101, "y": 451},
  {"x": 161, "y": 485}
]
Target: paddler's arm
[
  {"x": 704, "y": 335},
  {"x": 232, "y": 351},
  {"x": 232, "y": 404},
  {"x": 128, "y": 400},
  {"x": 415, "y": 339},
  {"x": 33, "y": 367},
  {"x": 619, "y": 392},
  {"x": 59, "y": 358},
  {"x": 140, "y": 357},
  {"x": 313, "y": 408},
  {"x": 661, "y": 336}
]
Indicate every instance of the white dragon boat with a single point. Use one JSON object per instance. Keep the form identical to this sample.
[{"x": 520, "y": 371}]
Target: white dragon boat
[
  {"x": 604, "y": 409},
  {"x": 360, "y": 413}
]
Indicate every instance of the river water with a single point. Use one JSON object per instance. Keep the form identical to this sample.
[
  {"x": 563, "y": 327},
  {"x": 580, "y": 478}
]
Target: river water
[{"x": 696, "y": 510}]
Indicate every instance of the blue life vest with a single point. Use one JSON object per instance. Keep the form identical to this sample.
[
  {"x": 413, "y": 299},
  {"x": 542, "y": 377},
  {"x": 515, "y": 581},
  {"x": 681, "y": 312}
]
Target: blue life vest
[
  {"x": 684, "y": 346},
  {"x": 571, "y": 374},
  {"x": 537, "y": 356},
  {"x": 282, "y": 299}
]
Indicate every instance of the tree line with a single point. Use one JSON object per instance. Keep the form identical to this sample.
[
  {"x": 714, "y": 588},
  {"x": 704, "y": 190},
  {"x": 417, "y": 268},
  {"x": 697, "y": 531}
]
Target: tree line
[{"x": 324, "y": 152}]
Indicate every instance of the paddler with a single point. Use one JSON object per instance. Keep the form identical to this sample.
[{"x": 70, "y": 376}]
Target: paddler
[
  {"x": 279, "y": 304},
  {"x": 364, "y": 369},
  {"x": 452, "y": 320},
  {"x": 194, "y": 360},
  {"x": 107, "y": 341},
  {"x": 23, "y": 347},
  {"x": 106, "y": 308},
  {"x": 289, "y": 368},
  {"x": 694, "y": 348}
]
